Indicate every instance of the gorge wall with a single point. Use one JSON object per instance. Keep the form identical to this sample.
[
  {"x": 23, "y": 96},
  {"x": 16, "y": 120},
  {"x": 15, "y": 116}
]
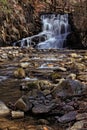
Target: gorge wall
[{"x": 21, "y": 18}]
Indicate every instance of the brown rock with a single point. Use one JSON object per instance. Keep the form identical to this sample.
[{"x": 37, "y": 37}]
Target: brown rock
[{"x": 19, "y": 73}]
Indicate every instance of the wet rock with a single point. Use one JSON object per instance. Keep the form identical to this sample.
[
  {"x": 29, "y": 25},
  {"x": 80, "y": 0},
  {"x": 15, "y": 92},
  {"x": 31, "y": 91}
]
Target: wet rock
[
  {"x": 23, "y": 104},
  {"x": 60, "y": 69},
  {"x": 82, "y": 77},
  {"x": 72, "y": 76},
  {"x": 68, "y": 87},
  {"x": 74, "y": 55},
  {"x": 78, "y": 66},
  {"x": 41, "y": 108},
  {"x": 55, "y": 76},
  {"x": 19, "y": 73},
  {"x": 40, "y": 85},
  {"x": 43, "y": 84},
  {"x": 82, "y": 116},
  {"x": 68, "y": 117},
  {"x": 17, "y": 114},
  {"x": 24, "y": 64},
  {"x": 4, "y": 56},
  {"x": 4, "y": 110},
  {"x": 78, "y": 125}
]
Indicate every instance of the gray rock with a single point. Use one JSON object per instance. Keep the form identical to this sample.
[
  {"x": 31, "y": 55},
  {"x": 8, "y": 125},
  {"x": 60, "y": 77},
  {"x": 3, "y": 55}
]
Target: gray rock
[
  {"x": 41, "y": 108},
  {"x": 68, "y": 87},
  {"x": 70, "y": 116},
  {"x": 4, "y": 110},
  {"x": 68, "y": 108}
]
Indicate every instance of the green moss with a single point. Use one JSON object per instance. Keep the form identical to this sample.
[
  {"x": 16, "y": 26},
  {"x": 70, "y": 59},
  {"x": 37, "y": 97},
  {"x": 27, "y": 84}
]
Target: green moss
[
  {"x": 55, "y": 76},
  {"x": 4, "y": 2},
  {"x": 4, "y": 6}
]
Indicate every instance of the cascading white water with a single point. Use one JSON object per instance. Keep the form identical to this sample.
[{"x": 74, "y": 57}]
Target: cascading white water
[
  {"x": 58, "y": 28},
  {"x": 55, "y": 30}
]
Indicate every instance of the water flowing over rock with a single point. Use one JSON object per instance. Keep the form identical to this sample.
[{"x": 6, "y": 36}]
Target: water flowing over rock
[
  {"x": 55, "y": 30},
  {"x": 59, "y": 94},
  {"x": 58, "y": 28}
]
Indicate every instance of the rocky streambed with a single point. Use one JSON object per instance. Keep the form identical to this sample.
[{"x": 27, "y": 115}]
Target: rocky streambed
[{"x": 43, "y": 90}]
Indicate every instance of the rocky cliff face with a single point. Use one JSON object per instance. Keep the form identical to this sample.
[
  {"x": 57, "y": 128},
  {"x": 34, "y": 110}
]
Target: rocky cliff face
[{"x": 20, "y": 18}]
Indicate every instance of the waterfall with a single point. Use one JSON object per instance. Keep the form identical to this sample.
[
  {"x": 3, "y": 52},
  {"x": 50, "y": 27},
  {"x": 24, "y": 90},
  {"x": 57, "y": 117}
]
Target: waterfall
[
  {"x": 58, "y": 28},
  {"x": 55, "y": 29}
]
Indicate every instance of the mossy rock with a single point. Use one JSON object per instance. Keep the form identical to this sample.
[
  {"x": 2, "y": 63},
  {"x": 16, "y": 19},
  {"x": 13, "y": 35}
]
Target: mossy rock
[
  {"x": 40, "y": 85},
  {"x": 55, "y": 76},
  {"x": 19, "y": 73}
]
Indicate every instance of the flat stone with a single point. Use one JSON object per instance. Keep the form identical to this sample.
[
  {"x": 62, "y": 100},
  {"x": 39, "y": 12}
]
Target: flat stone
[
  {"x": 41, "y": 108},
  {"x": 70, "y": 116}
]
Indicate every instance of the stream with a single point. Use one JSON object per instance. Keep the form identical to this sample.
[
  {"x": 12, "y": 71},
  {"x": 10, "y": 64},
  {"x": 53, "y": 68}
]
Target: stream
[{"x": 38, "y": 66}]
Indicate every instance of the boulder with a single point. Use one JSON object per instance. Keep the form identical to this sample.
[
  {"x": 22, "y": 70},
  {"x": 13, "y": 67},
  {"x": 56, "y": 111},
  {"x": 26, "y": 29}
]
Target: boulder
[{"x": 68, "y": 87}]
